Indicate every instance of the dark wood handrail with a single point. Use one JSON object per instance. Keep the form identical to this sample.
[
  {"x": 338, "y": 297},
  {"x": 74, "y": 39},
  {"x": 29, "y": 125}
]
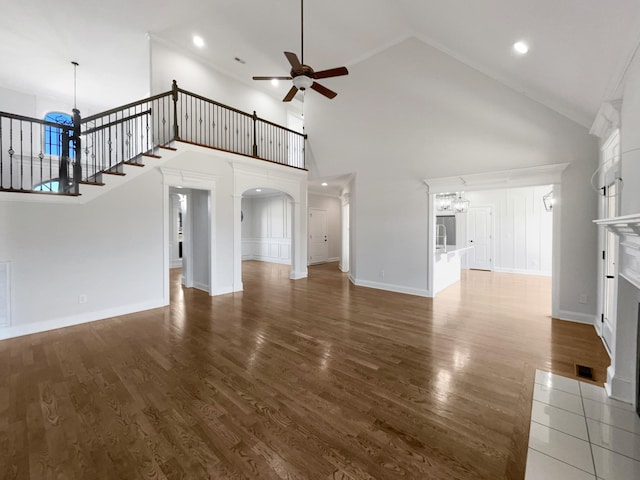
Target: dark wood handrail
[
  {"x": 240, "y": 112},
  {"x": 46, "y": 123},
  {"x": 218, "y": 104},
  {"x": 116, "y": 122},
  {"x": 124, "y": 107}
]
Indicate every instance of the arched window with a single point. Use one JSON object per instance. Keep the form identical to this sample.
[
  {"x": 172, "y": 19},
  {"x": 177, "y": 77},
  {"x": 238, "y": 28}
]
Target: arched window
[{"x": 53, "y": 135}]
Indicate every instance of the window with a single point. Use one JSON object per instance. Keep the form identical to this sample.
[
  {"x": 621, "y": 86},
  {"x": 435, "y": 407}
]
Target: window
[{"x": 53, "y": 135}]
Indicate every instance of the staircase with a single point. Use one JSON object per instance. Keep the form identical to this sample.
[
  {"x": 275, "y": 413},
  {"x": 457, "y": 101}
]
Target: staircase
[{"x": 48, "y": 159}]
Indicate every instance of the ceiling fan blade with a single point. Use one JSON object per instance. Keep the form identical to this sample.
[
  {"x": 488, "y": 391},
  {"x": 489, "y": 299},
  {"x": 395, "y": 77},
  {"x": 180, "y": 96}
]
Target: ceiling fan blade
[
  {"x": 333, "y": 72},
  {"x": 293, "y": 60},
  {"x": 272, "y": 78},
  {"x": 323, "y": 90},
  {"x": 291, "y": 94}
]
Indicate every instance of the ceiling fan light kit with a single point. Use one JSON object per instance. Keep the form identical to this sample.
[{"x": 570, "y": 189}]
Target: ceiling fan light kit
[{"x": 303, "y": 76}]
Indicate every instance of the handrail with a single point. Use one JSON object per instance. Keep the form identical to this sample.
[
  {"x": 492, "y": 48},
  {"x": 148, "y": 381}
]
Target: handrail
[
  {"x": 116, "y": 122},
  {"x": 125, "y": 107},
  {"x": 37, "y": 154},
  {"x": 227, "y": 107},
  {"x": 46, "y": 123},
  {"x": 218, "y": 104}
]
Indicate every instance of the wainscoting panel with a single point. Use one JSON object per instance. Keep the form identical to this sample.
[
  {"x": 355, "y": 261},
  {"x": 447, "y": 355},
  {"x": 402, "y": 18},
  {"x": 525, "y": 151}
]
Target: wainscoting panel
[{"x": 275, "y": 250}]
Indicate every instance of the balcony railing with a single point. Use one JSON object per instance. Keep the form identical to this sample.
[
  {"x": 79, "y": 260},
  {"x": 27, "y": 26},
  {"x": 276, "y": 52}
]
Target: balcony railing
[{"x": 47, "y": 157}]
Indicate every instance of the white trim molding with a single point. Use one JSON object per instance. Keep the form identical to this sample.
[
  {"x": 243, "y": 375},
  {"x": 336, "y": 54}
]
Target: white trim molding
[
  {"x": 518, "y": 177},
  {"x": 607, "y": 119},
  {"x": 37, "y": 327},
  {"x": 391, "y": 287}
]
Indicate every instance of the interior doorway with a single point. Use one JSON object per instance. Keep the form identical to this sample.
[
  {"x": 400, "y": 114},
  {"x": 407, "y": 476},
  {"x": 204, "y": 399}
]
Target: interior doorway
[
  {"x": 516, "y": 244},
  {"x": 267, "y": 233}
]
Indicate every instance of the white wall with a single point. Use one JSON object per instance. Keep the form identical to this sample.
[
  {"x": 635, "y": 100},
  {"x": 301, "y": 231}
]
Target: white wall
[
  {"x": 522, "y": 228},
  {"x": 463, "y": 122},
  {"x": 109, "y": 250},
  {"x": 168, "y": 65},
  {"x": 13, "y": 101},
  {"x": 266, "y": 228},
  {"x": 333, "y": 207}
]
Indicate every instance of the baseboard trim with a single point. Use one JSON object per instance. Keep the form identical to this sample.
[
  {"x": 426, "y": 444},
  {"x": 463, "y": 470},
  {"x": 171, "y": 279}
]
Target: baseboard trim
[
  {"x": 619, "y": 388},
  {"x": 523, "y": 271},
  {"x": 201, "y": 286},
  {"x": 224, "y": 290},
  {"x": 259, "y": 258},
  {"x": 298, "y": 275},
  {"x": 333, "y": 259},
  {"x": 576, "y": 317},
  {"x": 391, "y": 287},
  {"x": 38, "y": 327}
]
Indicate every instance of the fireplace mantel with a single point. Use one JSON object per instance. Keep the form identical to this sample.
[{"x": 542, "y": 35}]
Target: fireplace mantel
[{"x": 627, "y": 228}]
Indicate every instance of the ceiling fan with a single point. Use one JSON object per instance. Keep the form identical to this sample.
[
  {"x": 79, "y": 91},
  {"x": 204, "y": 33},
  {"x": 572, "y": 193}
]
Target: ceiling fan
[{"x": 303, "y": 76}]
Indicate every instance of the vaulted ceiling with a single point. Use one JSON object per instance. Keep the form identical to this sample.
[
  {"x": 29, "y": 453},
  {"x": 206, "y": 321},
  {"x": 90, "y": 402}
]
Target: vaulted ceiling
[{"x": 579, "y": 49}]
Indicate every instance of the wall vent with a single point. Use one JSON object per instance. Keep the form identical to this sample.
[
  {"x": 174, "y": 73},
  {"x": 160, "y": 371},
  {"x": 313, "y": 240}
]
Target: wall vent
[
  {"x": 584, "y": 372},
  {"x": 5, "y": 294}
]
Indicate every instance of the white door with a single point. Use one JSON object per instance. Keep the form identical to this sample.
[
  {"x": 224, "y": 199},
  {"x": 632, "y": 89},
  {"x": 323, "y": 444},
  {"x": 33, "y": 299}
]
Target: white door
[
  {"x": 318, "y": 239},
  {"x": 479, "y": 237},
  {"x": 610, "y": 256}
]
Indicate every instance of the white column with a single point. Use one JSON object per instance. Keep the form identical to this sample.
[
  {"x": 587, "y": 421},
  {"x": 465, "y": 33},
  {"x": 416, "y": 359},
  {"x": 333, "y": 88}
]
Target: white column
[
  {"x": 299, "y": 241},
  {"x": 237, "y": 244}
]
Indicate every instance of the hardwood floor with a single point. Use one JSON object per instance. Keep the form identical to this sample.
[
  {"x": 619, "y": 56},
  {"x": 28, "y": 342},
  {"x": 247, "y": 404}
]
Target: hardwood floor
[{"x": 312, "y": 379}]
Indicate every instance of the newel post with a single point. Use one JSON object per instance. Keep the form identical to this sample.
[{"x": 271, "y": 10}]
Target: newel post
[
  {"x": 77, "y": 147},
  {"x": 174, "y": 95},
  {"x": 255, "y": 137}
]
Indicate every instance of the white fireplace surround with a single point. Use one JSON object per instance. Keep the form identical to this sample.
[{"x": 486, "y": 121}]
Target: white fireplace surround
[{"x": 622, "y": 375}]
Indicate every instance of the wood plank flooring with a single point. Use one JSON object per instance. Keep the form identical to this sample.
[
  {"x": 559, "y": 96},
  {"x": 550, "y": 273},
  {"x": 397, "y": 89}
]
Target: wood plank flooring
[{"x": 312, "y": 379}]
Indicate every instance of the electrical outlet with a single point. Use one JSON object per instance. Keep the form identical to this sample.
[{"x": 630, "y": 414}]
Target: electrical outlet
[
  {"x": 82, "y": 298},
  {"x": 583, "y": 298},
  {"x": 381, "y": 273}
]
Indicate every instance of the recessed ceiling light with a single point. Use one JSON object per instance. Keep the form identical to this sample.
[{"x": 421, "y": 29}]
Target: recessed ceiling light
[
  {"x": 521, "y": 47},
  {"x": 198, "y": 41},
  {"x": 324, "y": 184},
  {"x": 258, "y": 189},
  {"x": 274, "y": 82}
]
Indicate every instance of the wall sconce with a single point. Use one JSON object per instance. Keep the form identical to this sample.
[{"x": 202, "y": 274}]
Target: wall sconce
[{"x": 548, "y": 200}]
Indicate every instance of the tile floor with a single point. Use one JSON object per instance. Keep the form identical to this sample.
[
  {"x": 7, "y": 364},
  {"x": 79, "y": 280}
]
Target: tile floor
[{"x": 578, "y": 433}]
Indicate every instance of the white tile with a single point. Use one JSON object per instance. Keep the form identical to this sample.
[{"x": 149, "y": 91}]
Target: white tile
[
  {"x": 561, "y": 446},
  {"x": 558, "y": 398},
  {"x": 599, "y": 394},
  {"x": 543, "y": 467},
  {"x": 618, "y": 417},
  {"x": 551, "y": 380},
  {"x": 559, "y": 419},
  {"x": 613, "y": 466},
  {"x": 616, "y": 439}
]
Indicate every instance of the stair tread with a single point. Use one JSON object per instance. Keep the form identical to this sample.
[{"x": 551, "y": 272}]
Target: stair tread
[
  {"x": 168, "y": 148},
  {"x": 86, "y": 182},
  {"x": 134, "y": 164}
]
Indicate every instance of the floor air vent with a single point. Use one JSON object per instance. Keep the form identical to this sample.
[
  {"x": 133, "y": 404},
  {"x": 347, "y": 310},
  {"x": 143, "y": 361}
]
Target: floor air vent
[{"x": 584, "y": 372}]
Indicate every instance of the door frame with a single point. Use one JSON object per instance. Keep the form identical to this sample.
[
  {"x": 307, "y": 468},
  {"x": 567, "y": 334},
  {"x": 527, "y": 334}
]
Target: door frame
[
  {"x": 199, "y": 181},
  {"x": 502, "y": 179}
]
